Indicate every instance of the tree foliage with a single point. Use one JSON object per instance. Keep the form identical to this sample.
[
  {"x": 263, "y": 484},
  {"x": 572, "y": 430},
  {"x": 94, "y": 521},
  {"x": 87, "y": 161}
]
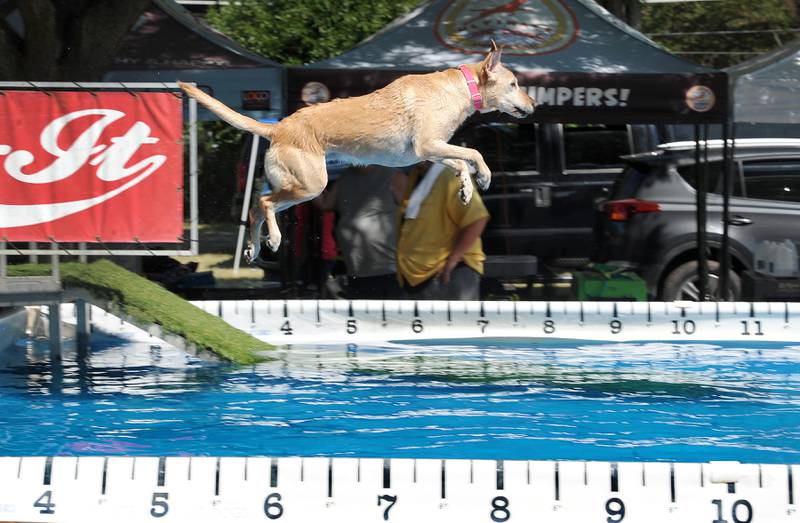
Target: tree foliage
[
  {"x": 293, "y": 32},
  {"x": 65, "y": 39},
  {"x": 296, "y": 32},
  {"x": 741, "y": 18}
]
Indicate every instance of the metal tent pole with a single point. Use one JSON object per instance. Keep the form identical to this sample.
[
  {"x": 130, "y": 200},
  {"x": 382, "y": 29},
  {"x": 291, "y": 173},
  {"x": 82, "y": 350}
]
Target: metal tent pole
[
  {"x": 700, "y": 214},
  {"x": 194, "y": 204},
  {"x": 251, "y": 167},
  {"x": 724, "y": 255},
  {"x": 704, "y": 252}
]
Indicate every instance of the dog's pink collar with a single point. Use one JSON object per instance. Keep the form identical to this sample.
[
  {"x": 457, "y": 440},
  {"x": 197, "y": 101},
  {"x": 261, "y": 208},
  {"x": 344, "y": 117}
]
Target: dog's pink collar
[{"x": 472, "y": 85}]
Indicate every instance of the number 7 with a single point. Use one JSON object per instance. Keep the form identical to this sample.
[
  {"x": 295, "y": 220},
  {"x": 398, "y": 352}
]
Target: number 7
[{"x": 392, "y": 500}]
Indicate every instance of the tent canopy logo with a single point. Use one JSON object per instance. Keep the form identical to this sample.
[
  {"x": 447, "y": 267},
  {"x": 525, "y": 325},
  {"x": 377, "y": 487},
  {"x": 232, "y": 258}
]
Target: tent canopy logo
[{"x": 522, "y": 27}]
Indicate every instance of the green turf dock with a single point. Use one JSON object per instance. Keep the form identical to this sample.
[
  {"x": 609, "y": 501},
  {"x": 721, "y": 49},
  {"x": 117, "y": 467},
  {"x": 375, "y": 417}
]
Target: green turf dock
[{"x": 153, "y": 308}]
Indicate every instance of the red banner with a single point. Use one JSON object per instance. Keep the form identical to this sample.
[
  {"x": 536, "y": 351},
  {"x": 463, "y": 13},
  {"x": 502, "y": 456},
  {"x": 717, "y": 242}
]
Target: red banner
[{"x": 89, "y": 167}]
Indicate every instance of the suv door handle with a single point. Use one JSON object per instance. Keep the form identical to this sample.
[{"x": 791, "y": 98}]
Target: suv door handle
[
  {"x": 740, "y": 220},
  {"x": 541, "y": 196}
]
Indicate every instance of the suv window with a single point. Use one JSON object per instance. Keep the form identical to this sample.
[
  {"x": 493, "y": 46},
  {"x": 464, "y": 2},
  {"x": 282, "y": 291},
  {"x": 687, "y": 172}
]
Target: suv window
[
  {"x": 627, "y": 185},
  {"x": 595, "y": 146},
  {"x": 689, "y": 174},
  {"x": 773, "y": 180},
  {"x": 504, "y": 146}
]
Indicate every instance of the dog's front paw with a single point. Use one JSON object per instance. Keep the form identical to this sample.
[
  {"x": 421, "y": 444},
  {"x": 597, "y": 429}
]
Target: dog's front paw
[
  {"x": 273, "y": 243},
  {"x": 251, "y": 252},
  {"x": 483, "y": 179}
]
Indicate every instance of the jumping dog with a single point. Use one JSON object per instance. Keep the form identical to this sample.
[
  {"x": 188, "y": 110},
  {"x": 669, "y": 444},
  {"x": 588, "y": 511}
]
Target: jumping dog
[{"x": 408, "y": 121}]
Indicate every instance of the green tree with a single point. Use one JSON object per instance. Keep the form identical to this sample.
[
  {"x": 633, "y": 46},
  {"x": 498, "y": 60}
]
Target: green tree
[
  {"x": 296, "y": 32},
  {"x": 726, "y": 31}
]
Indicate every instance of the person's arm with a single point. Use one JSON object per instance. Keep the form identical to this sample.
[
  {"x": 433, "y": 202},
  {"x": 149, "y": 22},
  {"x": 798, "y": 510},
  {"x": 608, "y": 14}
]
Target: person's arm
[
  {"x": 397, "y": 185},
  {"x": 326, "y": 201},
  {"x": 466, "y": 238}
]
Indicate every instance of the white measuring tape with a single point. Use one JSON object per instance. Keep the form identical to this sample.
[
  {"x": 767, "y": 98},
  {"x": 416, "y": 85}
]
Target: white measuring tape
[
  {"x": 336, "y": 321},
  {"x": 302, "y": 490}
]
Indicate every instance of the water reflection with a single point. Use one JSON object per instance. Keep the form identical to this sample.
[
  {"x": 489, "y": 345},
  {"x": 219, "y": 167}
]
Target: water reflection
[
  {"x": 114, "y": 366},
  {"x": 514, "y": 399}
]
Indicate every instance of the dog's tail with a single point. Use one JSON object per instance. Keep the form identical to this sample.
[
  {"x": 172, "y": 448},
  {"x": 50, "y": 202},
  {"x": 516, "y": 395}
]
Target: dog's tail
[{"x": 240, "y": 121}]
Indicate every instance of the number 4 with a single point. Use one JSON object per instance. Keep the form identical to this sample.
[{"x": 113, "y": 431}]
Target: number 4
[{"x": 45, "y": 502}]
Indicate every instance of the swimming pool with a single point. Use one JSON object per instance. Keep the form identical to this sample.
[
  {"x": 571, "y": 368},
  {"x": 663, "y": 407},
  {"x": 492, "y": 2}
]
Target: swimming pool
[
  {"x": 480, "y": 428},
  {"x": 493, "y": 399}
]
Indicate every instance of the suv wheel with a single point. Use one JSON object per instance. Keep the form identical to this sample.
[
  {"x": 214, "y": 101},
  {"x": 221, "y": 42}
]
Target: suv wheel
[{"x": 681, "y": 284}]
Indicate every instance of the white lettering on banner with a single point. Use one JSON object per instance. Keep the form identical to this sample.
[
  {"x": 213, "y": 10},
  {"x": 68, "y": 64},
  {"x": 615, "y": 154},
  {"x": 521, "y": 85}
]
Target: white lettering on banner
[
  {"x": 563, "y": 94},
  {"x": 543, "y": 96},
  {"x": 110, "y": 161},
  {"x": 580, "y": 96},
  {"x": 593, "y": 97}
]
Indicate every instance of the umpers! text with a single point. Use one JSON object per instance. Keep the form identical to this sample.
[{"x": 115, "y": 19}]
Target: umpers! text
[{"x": 580, "y": 96}]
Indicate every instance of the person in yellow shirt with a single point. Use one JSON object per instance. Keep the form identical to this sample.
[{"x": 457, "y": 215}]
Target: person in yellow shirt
[{"x": 439, "y": 250}]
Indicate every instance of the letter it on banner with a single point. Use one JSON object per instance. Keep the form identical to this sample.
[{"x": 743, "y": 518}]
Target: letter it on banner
[{"x": 76, "y": 166}]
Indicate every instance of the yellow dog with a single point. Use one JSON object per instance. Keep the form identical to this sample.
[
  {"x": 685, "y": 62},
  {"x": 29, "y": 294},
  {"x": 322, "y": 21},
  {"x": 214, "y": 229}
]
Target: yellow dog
[{"x": 406, "y": 122}]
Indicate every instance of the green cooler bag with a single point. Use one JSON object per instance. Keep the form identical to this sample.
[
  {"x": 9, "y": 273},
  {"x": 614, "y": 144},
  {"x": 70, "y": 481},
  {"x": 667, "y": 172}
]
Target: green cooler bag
[{"x": 607, "y": 282}]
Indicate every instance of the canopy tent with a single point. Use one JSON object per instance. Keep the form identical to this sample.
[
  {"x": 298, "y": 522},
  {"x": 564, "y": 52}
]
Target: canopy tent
[
  {"x": 169, "y": 43},
  {"x": 580, "y": 62},
  {"x": 766, "y": 89}
]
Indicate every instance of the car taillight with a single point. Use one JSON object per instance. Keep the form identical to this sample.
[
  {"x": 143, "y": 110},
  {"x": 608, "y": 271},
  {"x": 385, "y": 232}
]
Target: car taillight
[{"x": 623, "y": 210}]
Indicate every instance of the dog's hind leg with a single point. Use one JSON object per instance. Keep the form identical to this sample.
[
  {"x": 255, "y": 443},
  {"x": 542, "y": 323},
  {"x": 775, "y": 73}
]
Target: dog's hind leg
[
  {"x": 462, "y": 171},
  {"x": 261, "y": 215},
  {"x": 296, "y": 176},
  {"x": 268, "y": 208},
  {"x": 277, "y": 202},
  {"x": 256, "y": 219}
]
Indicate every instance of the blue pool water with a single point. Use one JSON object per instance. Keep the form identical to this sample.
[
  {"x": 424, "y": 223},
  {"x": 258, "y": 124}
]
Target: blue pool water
[{"x": 456, "y": 399}]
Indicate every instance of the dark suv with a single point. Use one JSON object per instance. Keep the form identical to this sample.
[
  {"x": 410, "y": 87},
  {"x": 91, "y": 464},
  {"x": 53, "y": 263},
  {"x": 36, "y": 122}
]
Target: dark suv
[
  {"x": 649, "y": 221},
  {"x": 547, "y": 180}
]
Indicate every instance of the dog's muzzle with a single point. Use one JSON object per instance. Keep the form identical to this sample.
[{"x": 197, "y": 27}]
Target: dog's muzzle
[{"x": 522, "y": 112}]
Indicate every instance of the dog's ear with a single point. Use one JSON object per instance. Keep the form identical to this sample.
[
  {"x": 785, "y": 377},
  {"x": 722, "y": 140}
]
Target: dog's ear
[{"x": 492, "y": 59}]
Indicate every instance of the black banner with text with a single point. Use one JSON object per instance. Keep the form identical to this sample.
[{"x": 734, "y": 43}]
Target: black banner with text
[{"x": 560, "y": 97}]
